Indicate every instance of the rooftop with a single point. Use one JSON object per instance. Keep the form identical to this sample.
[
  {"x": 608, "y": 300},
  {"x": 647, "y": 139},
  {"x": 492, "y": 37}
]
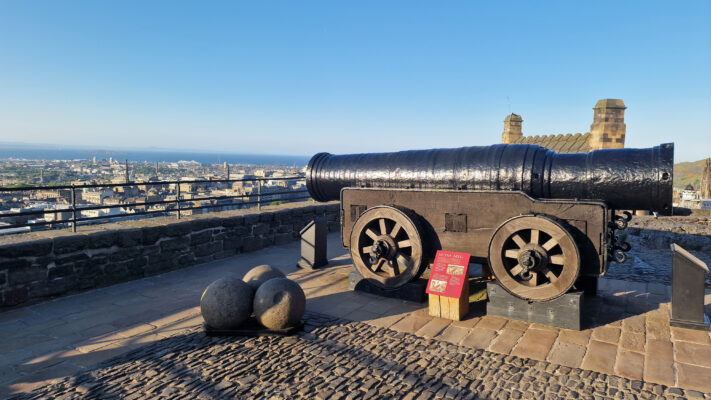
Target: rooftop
[
  {"x": 568, "y": 143},
  {"x": 610, "y": 103}
]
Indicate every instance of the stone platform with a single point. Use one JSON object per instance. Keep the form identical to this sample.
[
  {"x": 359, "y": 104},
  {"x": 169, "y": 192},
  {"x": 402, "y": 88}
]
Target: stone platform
[{"x": 629, "y": 347}]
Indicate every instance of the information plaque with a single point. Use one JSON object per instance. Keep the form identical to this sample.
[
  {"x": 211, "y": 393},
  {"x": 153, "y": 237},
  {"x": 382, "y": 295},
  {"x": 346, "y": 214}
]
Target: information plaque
[{"x": 449, "y": 274}]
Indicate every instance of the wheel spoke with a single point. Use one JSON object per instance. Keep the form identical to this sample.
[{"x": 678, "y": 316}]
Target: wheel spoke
[
  {"x": 403, "y": 260},
  {"x": 367, "y": 249},
  {"x": 378, "y": 265},
  {"x": 549, "y": 274},
  {"x": 550, "y": 244},
  {"x": 382, "y": 226},
  {"x": 558, "y": 260},
  {"x": 404, "y": 243},
  {"x": 516, "y": 269},
  {"x": 371, "y": 234},
  {"x": 394, "y": 268},
  {"x": 535, "y": 236},
  {"x": 534, "y": 279},
  {"x": 519, "y": 242},
  {"x": 511, "y": 253},
  {"x": 396, "y": 230}
]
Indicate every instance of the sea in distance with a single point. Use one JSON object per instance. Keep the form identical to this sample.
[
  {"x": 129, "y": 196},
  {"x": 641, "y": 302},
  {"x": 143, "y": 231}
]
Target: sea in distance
[{"x": 32, "y": 152}]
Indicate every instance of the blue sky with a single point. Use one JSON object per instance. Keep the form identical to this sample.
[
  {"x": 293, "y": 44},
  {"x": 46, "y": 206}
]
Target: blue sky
[{"x": 304, "y": 77}]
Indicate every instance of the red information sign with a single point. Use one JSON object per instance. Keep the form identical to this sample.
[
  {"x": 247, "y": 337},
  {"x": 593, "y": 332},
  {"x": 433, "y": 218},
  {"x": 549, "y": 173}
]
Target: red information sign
[{"x": 449, "y": 272}]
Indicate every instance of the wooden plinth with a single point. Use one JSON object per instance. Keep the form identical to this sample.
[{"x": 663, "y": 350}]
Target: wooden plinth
[{"x": 449, "y": 307}]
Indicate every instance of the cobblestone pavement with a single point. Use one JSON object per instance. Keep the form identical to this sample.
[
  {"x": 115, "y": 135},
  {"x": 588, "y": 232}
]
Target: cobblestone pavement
[{"x": 338, "y": 359}]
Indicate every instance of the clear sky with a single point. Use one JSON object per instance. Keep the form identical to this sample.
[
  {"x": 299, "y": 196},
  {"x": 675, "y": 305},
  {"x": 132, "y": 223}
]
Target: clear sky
[{"x": 345, "y": 77}]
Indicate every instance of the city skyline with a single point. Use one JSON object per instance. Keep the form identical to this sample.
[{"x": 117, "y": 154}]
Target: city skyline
[{"x": 274, "y": 79}]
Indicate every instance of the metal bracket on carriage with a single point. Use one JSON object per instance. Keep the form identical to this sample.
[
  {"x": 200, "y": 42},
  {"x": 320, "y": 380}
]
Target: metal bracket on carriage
[{"x": 617, "y": 246}]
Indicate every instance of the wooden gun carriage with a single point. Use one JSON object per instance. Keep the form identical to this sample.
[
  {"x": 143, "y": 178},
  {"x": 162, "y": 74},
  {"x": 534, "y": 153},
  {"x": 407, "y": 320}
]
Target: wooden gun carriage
[{"x": 542, "y": 221}]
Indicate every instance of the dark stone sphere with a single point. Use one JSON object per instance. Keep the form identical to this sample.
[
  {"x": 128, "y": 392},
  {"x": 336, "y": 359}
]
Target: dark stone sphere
[
  {"x": 279, "y": 303},
  {"x": 227, "y": 303},
  {"x": 260, "y": 274}
]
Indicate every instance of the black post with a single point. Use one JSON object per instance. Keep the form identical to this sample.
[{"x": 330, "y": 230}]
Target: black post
[
  {"x": 74, "y": 209},
  {"x": 177, "y": 199},
  {"x": 259, "y": 194}
]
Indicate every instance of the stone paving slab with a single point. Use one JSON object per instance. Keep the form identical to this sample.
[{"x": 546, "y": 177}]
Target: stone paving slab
[
  {"x": 628, "y": 322},
  {"x": 337, "y": 359},
  {"x": 628, "y": 335}
]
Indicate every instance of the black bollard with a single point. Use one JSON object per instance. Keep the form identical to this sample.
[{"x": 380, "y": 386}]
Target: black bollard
[
  {"x": 313, "y": 244},
  {"x": 688, "y": 277}
]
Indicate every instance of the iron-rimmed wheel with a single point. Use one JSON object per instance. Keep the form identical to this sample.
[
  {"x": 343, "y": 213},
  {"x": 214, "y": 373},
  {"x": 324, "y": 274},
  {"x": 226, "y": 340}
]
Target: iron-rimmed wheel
[
  {"x": 534, "y": 257},
  {"x": 386, "y": 246}
]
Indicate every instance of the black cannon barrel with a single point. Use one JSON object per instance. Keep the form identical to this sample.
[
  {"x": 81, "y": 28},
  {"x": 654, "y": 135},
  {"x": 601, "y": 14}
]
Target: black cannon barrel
[{"x": 638, "y": 179}]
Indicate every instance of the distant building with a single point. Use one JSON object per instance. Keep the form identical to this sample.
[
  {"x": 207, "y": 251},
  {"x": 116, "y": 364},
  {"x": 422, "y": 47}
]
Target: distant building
[
  {"x": 689, "y": 198},
  {"x": 688, "y": 193},
  {"x": 128, "y": 191},
  {"x": 606, "y": 132},
  {"x": 57, "y": 214},
  {"x": 96, "y": 196},
  {"x": 52, "y": 194},
  {"x": 100, "y": 213}
]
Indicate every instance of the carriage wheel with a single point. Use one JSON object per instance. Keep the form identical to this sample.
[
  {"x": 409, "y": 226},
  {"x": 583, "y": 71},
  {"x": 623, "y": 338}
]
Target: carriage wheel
[
  {"x": 534, "y": 258},
  {"x": 386, "y": 246}
]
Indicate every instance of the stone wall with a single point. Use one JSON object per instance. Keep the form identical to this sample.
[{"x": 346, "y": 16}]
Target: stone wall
[{"x": 38, "y": 266}]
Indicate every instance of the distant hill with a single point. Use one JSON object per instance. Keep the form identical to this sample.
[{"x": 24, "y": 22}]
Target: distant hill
[{"x": 686, "y": 173}]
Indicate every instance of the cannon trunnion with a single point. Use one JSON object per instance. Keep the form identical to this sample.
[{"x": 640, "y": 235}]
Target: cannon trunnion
[{"x": 542, "y": 221}]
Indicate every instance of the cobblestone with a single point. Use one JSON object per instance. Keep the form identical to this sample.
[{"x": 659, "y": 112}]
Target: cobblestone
[{"x": 318, "y": 364}]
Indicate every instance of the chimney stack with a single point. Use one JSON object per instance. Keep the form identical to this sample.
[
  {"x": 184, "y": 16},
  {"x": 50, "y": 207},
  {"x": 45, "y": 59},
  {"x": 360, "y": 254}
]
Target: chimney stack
[
  {"x": 512, "y": 128},
  {"x": 608, "y": 128}
]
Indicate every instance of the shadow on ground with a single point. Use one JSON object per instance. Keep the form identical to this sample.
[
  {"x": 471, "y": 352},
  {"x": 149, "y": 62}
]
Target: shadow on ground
[{"x": 214, "y": 367}]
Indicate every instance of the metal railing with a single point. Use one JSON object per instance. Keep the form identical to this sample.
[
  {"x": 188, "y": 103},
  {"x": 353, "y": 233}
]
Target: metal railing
[{"x": 175, "y": 206}]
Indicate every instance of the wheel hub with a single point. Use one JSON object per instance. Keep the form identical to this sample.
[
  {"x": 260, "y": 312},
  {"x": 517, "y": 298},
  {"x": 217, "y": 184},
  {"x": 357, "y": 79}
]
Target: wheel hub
[
  {"x": 380, "y": 248},
  {"x": 532, "y": 257},
  {"x": 384, "y": 247}
]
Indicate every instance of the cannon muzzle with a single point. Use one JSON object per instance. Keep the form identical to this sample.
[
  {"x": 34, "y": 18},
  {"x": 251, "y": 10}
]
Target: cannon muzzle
[{"x": 639, "y": 179}]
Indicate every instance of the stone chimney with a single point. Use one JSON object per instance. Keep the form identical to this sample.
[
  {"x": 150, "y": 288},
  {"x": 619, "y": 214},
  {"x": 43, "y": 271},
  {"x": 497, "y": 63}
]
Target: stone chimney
[
  {"x": 608, "y": 128},
  {"x": 512, "y": 128}
]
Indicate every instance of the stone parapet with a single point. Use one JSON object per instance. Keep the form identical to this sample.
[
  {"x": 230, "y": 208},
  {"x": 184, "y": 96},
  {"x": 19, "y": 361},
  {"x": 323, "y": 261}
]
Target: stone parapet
[{"x": 53, "y": 263}]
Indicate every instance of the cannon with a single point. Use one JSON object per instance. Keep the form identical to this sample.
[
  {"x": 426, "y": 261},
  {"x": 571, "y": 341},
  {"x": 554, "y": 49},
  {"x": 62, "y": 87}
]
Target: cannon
[{"x": 542, "y": 221}]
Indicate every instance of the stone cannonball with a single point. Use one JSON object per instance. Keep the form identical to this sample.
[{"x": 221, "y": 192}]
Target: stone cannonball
[
  {"x": 226, "y": 303},
  {"x": 260, "y": 274},
  {"x": 279, "y": 303}
]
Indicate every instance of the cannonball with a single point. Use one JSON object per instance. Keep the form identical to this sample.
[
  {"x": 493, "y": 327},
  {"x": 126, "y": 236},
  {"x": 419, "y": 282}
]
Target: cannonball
[
  {"x": 226, "y": 303},
  {"x": 260, "y": 274},
  {"x": 279, "y": 303}
]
